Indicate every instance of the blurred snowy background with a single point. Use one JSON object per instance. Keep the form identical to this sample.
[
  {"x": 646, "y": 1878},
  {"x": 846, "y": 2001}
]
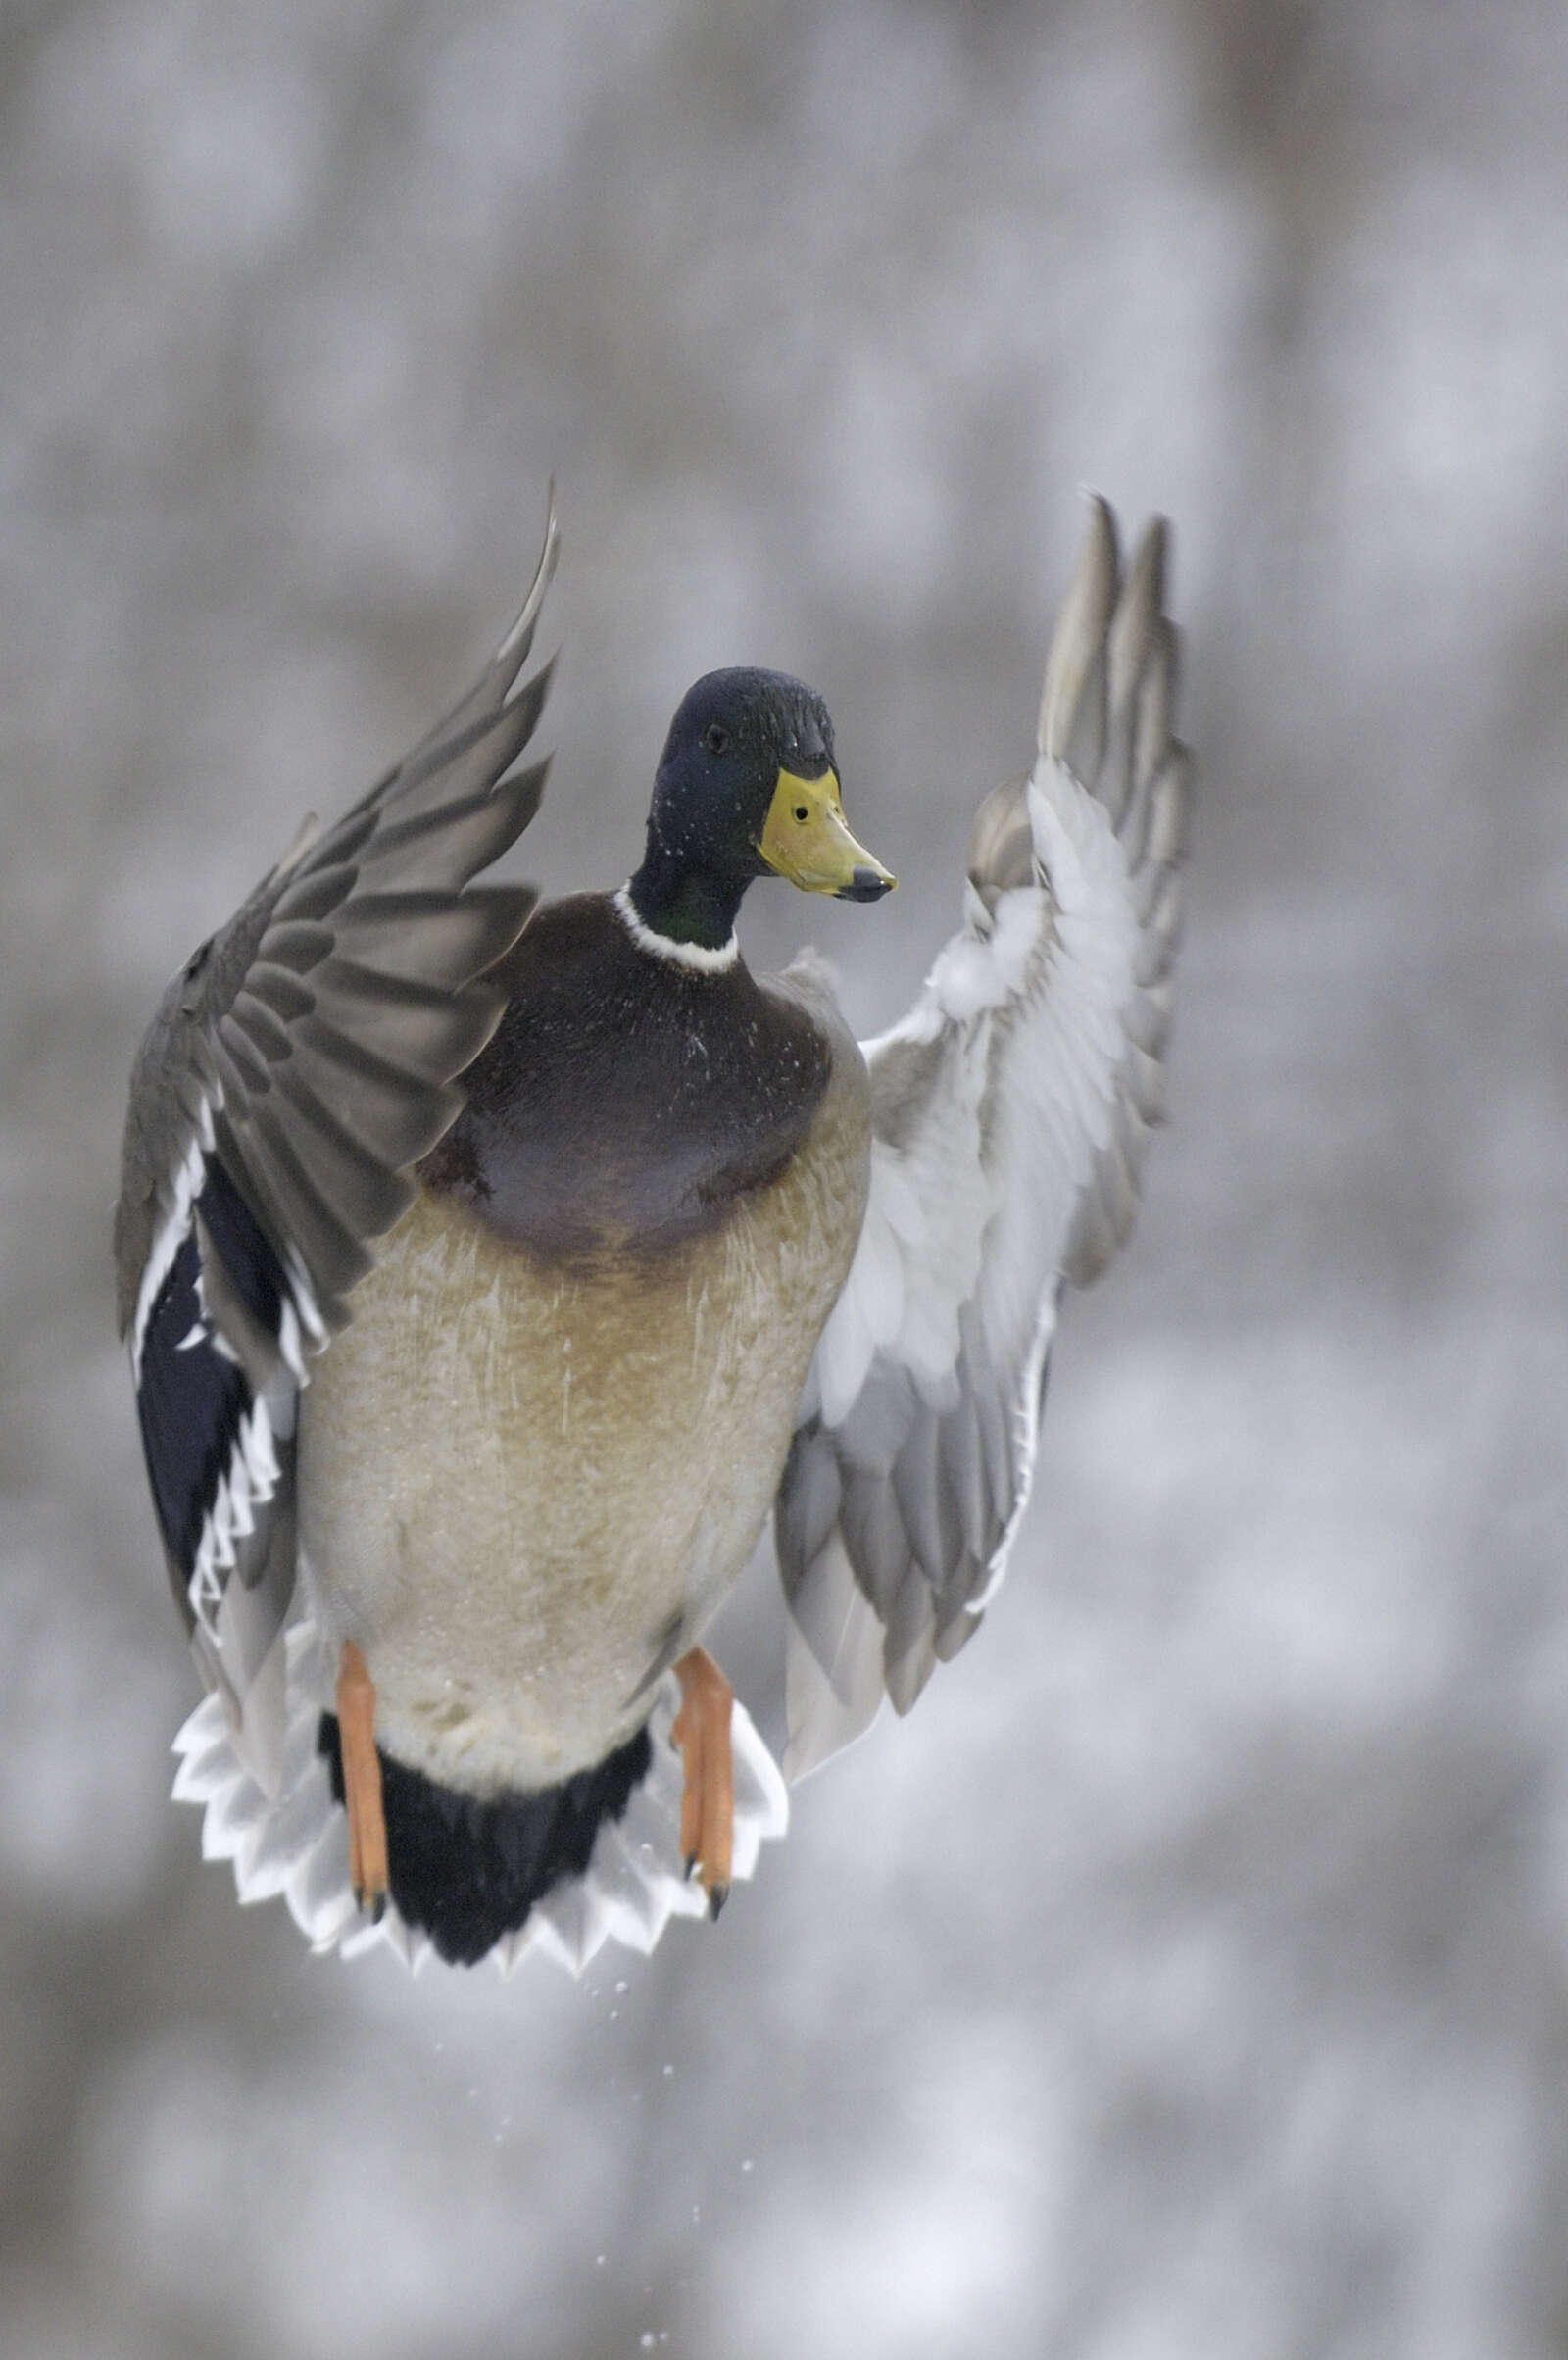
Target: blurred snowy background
[{"x": 1187, "y": 1980}]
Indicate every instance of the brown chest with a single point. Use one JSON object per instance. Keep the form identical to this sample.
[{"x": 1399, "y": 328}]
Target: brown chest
[
  {"x": 626, "y": 1104},
  {"x": 525, "y": 1480}
]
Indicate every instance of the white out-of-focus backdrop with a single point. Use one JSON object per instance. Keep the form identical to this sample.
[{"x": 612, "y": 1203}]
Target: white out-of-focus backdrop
[{"x": 1188, "y": 1979}]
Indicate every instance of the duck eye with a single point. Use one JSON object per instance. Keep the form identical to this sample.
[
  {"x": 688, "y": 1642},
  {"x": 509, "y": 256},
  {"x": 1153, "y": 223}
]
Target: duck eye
[
  {"x": 801, "y": 812},
  {"x": 716, "y": 738}
]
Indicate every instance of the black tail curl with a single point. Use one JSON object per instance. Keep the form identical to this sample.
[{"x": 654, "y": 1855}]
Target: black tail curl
[{"x": 469, "y": 1870}]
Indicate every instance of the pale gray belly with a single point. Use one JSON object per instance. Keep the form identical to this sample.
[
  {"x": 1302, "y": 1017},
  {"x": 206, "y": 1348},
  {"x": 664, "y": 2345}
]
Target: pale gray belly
[{"x": 523, "y": 1489}]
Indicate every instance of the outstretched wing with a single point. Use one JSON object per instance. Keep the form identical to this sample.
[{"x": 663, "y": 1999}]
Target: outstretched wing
[
  {"x": 1011, "y": 1110},
  {"x": 301, "y": 1061}
]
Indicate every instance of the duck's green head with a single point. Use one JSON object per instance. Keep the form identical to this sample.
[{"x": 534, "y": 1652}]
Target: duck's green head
[{"x": 747, "y": 787}]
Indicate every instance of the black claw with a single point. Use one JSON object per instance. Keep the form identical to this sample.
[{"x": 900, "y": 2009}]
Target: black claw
[
  {"x": 717, "y": 1896},
  {"x": 690, "y": 1864}
]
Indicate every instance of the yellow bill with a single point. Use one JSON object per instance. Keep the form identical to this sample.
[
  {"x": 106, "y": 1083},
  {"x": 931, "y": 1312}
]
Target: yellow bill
[{"x": 805, "y": 839}]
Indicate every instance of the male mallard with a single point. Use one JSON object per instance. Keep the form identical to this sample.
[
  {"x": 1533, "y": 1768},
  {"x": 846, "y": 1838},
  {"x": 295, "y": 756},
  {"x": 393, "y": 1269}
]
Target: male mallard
[{"x": 614, "y": 1245}]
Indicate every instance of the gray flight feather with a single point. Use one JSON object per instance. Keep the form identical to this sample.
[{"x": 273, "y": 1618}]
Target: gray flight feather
[
  {"x": 363, "y": 938},
  {"x": 314, "y": 1050},
  {"x": 1011, "y": 1112}
]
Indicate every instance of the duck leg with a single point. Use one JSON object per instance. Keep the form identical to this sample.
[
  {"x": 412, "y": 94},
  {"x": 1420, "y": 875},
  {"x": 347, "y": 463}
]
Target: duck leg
[
  {"x": 361, "y": 1780},
  {"x": 701, "y": 1730}
]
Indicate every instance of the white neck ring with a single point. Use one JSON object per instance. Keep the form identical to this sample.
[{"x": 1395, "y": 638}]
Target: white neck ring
[{"x": 696, "y": 958}]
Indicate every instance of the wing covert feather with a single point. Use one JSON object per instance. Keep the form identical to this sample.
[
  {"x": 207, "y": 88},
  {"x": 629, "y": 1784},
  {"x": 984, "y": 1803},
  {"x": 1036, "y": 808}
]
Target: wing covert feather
[
  {"x": 301, "y": 1061},
  {"x": 1011, "y": 1111}
]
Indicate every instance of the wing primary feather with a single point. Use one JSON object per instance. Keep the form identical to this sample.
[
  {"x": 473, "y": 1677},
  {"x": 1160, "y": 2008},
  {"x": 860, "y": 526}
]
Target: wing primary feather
[
  {"x": 908, "y": 1651},
  {"x": 297, "y": 1067},
  {"x": 474, "y": 828},
  {"x": 1072, "y": 697},
  {"x": 489, "y": 691},
  {"x": 351, "y": 1177},
  {"x": 915, "y": 1473},
  {"x": 393, "y": 1128},
  {"x": 514, "y": 646},
  {"x": 433, "y": 937},
  {"x": 400, "y": 1043},
  {"x": 1011, "y": 1111},
  {"x": 809, "y": 1499},
  {"x": 327, "y": 1245},
  {"x": 404, "y": 1043},
  {"x": 1169, "y": 812},
  {"x": 476, "y": 756}
]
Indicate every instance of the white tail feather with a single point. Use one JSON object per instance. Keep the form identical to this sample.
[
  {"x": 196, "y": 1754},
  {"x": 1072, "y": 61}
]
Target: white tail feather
[{"x": 297, "y": 1844}]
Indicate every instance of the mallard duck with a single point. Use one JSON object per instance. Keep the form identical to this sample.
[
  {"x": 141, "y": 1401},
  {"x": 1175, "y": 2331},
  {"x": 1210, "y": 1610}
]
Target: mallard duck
[{"x": 490, "y": 1269}]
